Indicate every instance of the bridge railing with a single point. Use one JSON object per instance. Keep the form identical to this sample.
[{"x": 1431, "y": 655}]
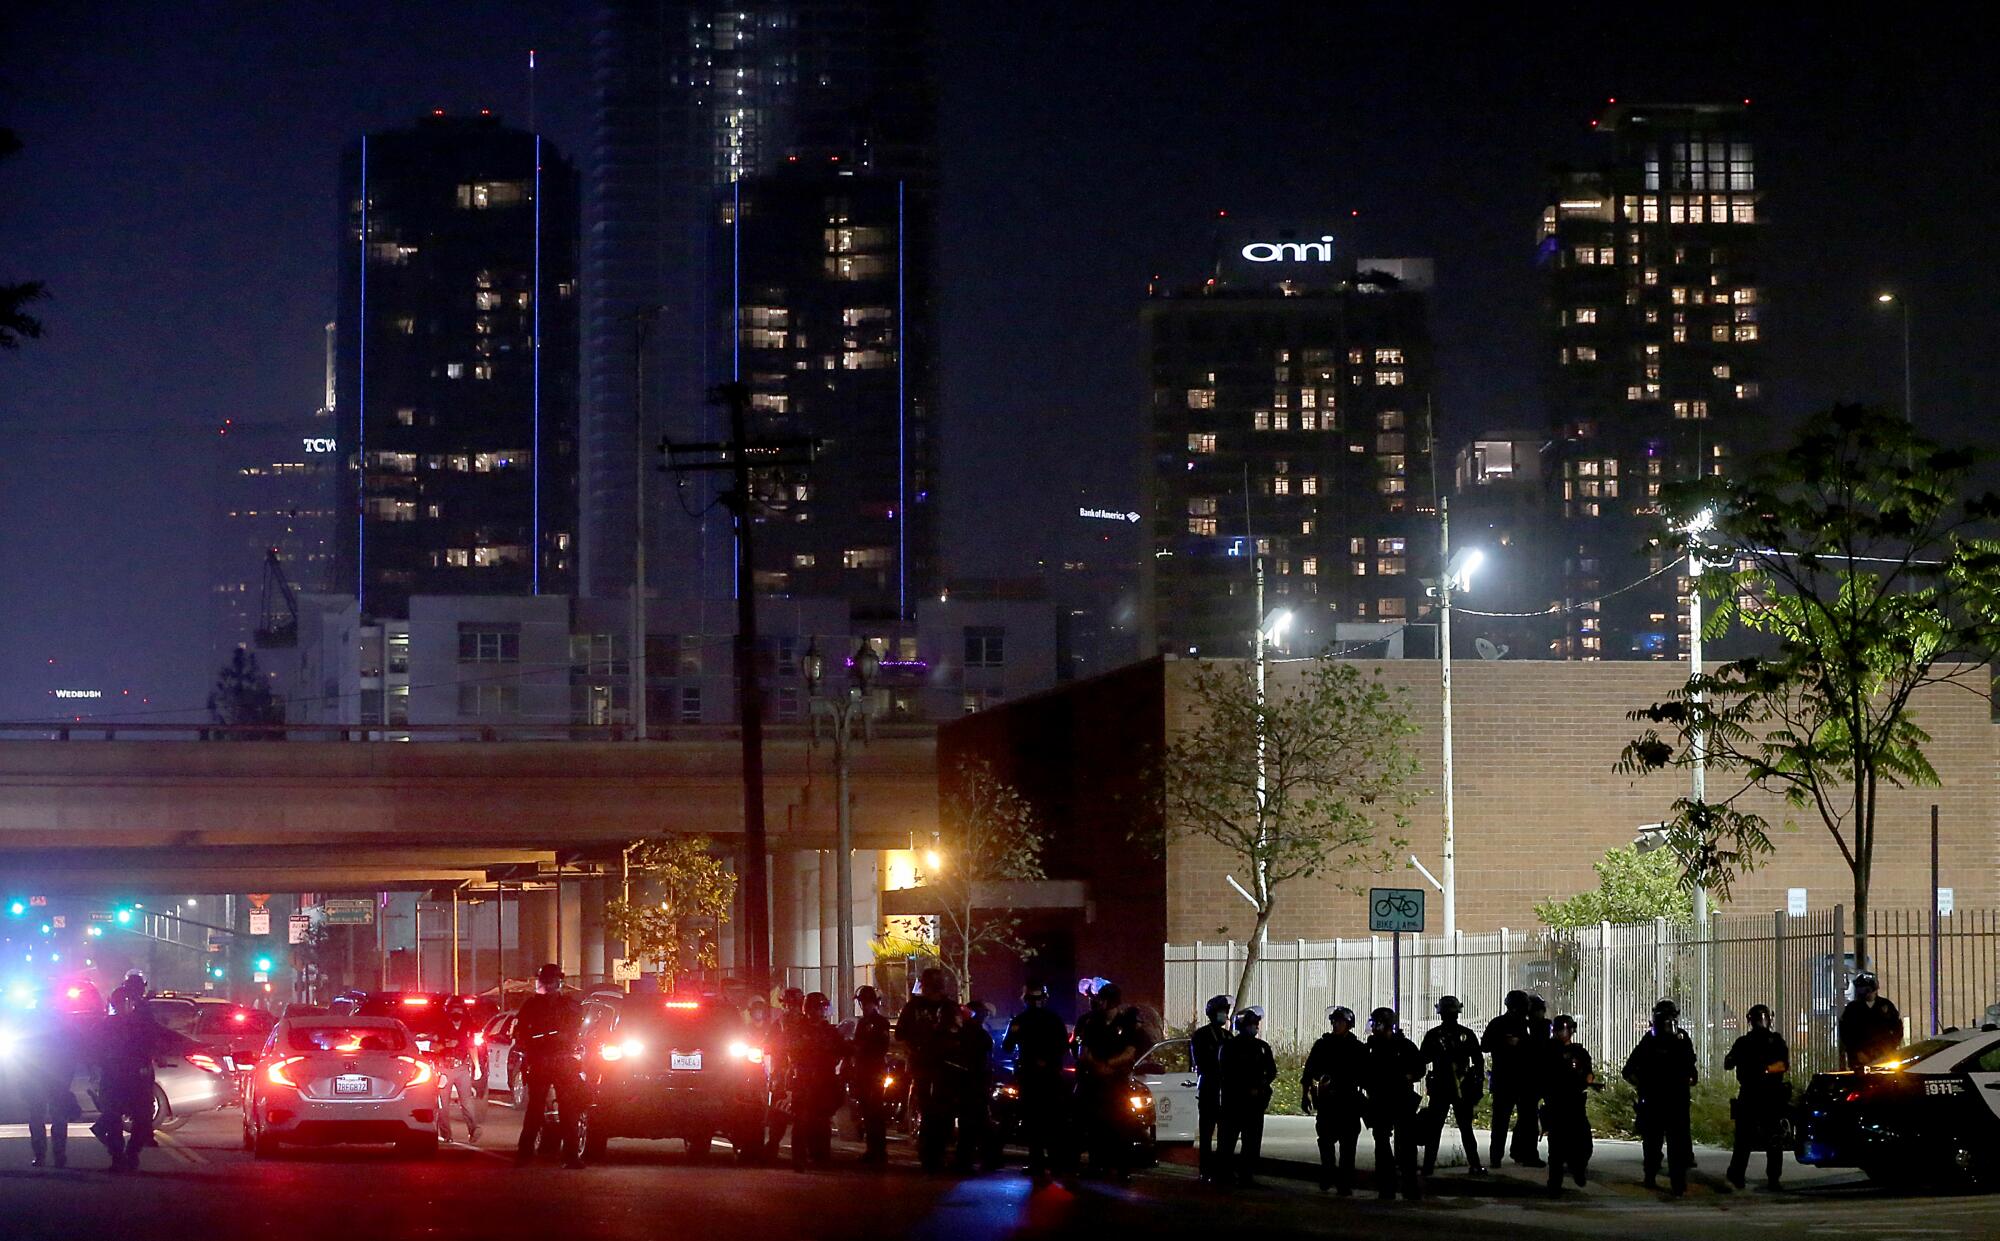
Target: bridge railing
[{"x": 115, "y": 730}]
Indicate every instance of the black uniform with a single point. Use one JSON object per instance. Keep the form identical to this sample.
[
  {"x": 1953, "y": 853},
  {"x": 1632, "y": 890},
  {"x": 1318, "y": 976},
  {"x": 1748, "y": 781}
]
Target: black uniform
[
  {"x": 1565, "y": 1084},
  {"x": 1526, "y": 1148},
  {"x": 1331, "y": 1084},
  {"x": 867, "y": 1065},
  {"x": 1391, "y": 1068},
  {"x": 549, "y": 1032},
  {"x": 790, "y": 1029},
  {"x": 1505, "y": 1042},
  {"x": 1248, "y": 1068},
  {"x": 1206, "y": 1050},
  {"x": 815, "y": 1053},
  {"x": 972, "y": 1082},
  {"x": 1108, "y": 1045},
  {"x": 1761, "y": 1060},
  {"x": 48, "y": 1062},
  {"x": 1869, "y": 1033},
  {"x": 1662, "y": 1067},
  {"x": 927, "y": 1025},
  {"x": 1457, "y": 1078},
  {"x": 126, "y": 1050},
  {"x": 1038, "y": 1041}
]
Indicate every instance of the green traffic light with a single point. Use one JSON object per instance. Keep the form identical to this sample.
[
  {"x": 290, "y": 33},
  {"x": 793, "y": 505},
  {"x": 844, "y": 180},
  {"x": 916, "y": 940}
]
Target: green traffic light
[
  {"x": 264, "y": 963},
  {"x": 125, "y": 917},
  {"x": 17, "y": 908}
]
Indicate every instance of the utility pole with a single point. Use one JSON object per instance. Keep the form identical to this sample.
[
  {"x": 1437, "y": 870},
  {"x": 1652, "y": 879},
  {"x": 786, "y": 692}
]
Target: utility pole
[{"x": 740, "y": 455}]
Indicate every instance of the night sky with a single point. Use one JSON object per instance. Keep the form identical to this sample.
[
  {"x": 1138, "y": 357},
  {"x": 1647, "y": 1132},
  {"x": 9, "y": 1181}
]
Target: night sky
[{"x": 177, "y": 194}]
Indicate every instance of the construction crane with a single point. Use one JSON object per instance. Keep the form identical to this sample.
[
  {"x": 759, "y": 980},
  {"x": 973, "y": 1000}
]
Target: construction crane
[{"x": 278, "y": 609}]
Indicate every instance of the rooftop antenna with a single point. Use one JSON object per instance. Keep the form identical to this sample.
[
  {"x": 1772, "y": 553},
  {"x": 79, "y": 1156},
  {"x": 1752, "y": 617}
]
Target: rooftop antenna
[{"x": 531, "y": 90}]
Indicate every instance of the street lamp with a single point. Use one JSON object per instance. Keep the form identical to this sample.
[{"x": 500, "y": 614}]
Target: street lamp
[
  {"x": 1903, "y": 304},
  {"x": 840, "y": 710},
  {"x": 1458, "y": 572},
  {"x": 1271, "y": 626},
  {"x": 1698, "y": 525}
]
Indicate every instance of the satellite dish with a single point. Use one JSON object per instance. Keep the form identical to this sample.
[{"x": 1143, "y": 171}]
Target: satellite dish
[{"x": 1487, "y": 650}]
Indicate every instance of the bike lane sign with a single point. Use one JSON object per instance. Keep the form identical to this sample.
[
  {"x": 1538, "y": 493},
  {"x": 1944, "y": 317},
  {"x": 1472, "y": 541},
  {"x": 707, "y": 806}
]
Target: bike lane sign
[{"x": 1395, "y": 909}]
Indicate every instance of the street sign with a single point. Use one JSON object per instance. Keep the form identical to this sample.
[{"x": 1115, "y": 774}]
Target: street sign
[
  {"x": 260, "y": 922},
  {"x": 349, "y": 912},
  {"x": 260, "y": 976},
  {"x": 62, "y": 920},
  {"x": 1795, "y": 902},
  {"x": 38, "y": 901},
  {"x": 297, "y": 928},
  {"x": 1395, "y": 909},
  {"x": 623, "y": 970},
  {"x": 1944, "y": 902},
  {"x": 100, "y": 915}
]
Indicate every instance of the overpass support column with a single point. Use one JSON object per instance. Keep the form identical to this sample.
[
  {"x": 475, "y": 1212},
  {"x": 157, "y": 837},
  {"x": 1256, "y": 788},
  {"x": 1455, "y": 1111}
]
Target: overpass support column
[{"x": 590, "y": 914}]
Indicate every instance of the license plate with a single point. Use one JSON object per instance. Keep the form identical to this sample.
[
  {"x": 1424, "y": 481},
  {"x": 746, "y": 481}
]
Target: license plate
[
  {"x": 689, "y": 1060},
  {"x": 350, "y": 1083},
  {"x": 423, "y": 1044}
]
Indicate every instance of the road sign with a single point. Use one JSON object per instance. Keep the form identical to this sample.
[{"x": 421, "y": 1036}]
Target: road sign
[
  {"x": 349, "y": 912},
  {"x": 623, "y": 970},
  {"x": 62, "y": 920},
  {"x": 1395, "y": 909},
  {"x": 1795, "y": 902},
  {"x": 100, "y": 915},
  {"x": 297, "y": 928},
  {"x": 38, "y": 901},
  {"x": 260, "y": 922},
  {"x": 1944, "y": 902}
]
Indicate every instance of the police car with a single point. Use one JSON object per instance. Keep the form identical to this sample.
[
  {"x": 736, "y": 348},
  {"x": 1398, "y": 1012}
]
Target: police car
[{"x": 1932, "y": 1110}]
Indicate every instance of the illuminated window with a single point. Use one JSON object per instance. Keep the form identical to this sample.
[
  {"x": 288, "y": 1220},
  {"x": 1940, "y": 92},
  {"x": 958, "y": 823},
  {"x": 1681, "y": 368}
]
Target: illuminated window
[
  {"x": 1389, "y": 420},
  {"x": 1391, "y": 486},
  {"x": 1308, "y": 399},
  {"x": 1586, "y": 353},
  {"x": 1685, "y": 409},
  {"x": 1201, "y": 442},
  {"x": 1586, "y": 256},
  {"x": 865, "y": 558},
  {"x": 1747, "y": 392},
  {"x": 1722, "y": 370},
  {"x": 1306, "y": 526},
  {"x": 1354, "y": 356},
  {"x": 1390, "y": 609},
  {"x": 1388, "y": 547},
  {"x": 1586, "y": 314},
  {"x": 1260, "y": 420},
  {"x": 1281, "y": 486},
  {"x": 1308, "y": 420},
  {"x": 1201, "y": 398},
  {"x": 1204, "y": 526},
  {"x": 484, "y": 195},
  {"x": 1358, "y": 547},
  {"x": 1389, "y": 357},
  {"x": 1389, "y": 566},
  {"x": 1309, "y": 566},
  {"x": 1281, "y": 420},
  {"x": 1680, "y": 334},
  {"x": 804, "y": 560},
  {"x": 453, "y": 370},
  {"x": 1744, "y": 331},
  {"x": 1388, "y": 378},
  {"x": 1201, "y": 506}
]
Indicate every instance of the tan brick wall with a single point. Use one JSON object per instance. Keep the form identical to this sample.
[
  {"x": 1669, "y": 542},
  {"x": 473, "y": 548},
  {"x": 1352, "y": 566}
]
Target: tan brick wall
[{"x": 1538, "y": 801}]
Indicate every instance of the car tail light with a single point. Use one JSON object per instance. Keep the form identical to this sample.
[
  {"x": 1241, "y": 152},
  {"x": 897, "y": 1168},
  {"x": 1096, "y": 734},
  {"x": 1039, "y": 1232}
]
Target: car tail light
[
  {"x": 240, "y": 1018},
  {"x": 682, "y": 1004},
  {"x": 422, "y": 1067},
  {"x": 417, "y": 1001},
  {"x": 277, "y": 1076},
  {"x": 741, "y": 1050},
  {"x": 630, "y": 1049},
  {"x": 74, "y": 993},
  {"x": 206, "y": 1063},
  {"x": 1852, "y": 1096},
  {"x": 479, "y": 1040},
  {"x": 888, "y": 1080},
  {"x": 1138, "y": 1102}
]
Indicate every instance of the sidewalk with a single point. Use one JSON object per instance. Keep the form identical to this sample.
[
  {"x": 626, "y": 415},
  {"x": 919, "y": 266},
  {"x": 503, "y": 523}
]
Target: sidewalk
[{"x": 1291, "y": 1150}]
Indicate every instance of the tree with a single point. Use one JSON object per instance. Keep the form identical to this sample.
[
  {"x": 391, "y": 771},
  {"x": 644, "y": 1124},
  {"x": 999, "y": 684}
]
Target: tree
[
  {"x": 989, "y": 835},
  {"x": 243, "y": 695},
  {"x": 677, "y": 924},
  {"x": 1335, "y": 777},
  {"x": 16, "y": 323},
  {"x": 1631, "y": 887},
  {"x": 1852, "y": 554}
]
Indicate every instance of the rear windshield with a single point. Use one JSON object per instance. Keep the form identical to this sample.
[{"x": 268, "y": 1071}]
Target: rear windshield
[
  {"x": 346, "y": 1038},
  {"x": 176, "y": 1015},
  {"x": 230, "y": 1023},
  {"x": 424, "y": 1018},
  {"x": 1924, "y": 1049},
  {"x": 677, "y": 1027}
]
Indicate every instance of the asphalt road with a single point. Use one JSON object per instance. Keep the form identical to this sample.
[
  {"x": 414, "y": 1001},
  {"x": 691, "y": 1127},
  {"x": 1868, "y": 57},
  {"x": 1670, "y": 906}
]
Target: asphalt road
[{"x": 202, "y": 1187}]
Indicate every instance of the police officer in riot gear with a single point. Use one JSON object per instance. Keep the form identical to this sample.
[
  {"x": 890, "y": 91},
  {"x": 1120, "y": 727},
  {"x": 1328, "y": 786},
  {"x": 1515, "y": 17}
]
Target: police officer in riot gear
[
  {"x": 1456, "y": 1080},
  {"x": 549, "y": 1032},
  {"x": 1248, "y": 1069},
  {"x": 1205, "y": 1049},
  {"x": 927, "y": 1026},
  {"x": 48, "y": 1061},
  {"x": 1505, "y": 1044},
  {"x": 814, "y": 1054},
  {"x": 130, "y": 1041},
  {"x": 1038, "y": 1041},
  {"x": 1662, "y": 1068},
  {"x": 1760, "y": 1060},
  {"x": 1526, "y": 1147},
  {"x": 867, "y": 1065},
  {"x": 1567, "y": 1074},
  {"x": 1870, "y": 1027},
  {"x": 1393, "y": 1066},
  {"x": 1330, "y": 1091}
]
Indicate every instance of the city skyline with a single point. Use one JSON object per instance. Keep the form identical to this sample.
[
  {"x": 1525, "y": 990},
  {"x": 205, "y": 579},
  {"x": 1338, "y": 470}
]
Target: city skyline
[{"x": 1064, "y": 406}]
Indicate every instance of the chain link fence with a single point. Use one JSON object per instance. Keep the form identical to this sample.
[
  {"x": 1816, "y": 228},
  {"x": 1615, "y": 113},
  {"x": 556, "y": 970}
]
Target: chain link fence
[{"x": 1609, "y": 976}]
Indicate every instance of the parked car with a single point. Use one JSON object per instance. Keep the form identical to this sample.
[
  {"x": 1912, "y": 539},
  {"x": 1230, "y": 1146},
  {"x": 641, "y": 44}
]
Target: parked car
[
  {"x": 500, "y": 1062},
  {"x": 1167, "y": 1071},
  {"x": 1932, "y": 1112}
]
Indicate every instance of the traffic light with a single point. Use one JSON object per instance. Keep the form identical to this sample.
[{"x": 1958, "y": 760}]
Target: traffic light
[
  {"x": 47, "y": 929},
  {"x": 264, "y": 963},
  {"x": 95, "y": 932},
  {"x": 216, "y": 971},
  {"x": 16, "y": 908},
  {"x": 124, "y": 915}
]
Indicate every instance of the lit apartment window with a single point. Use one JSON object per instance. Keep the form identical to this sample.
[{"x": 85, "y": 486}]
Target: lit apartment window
[
  {"x": 1308, "y": 398},
  {"x": 1586, "y": 256},
  {"x": 1389, "y": 357},
  {"x": 1308, "y": 420},
  {"x": 1391, "y": 486},
  {"x": 804, "y": 560},
  {"x": 1744, "y": 331},
  {"x": 1390, "y": 608},
  {"x": 1722, "y": 370},
  {"x": 1389, "y": 420},
  {"x": 1586, "y": 353},
  {"x": 1203, "y": 526},
  {"x": 1281, "y": 486},
  {"x": 1358, "y": 547},
  {"x": 1747, "y": 392},
  {"x": 1586, "y": 314},
  {"x": 1309, "y": 485},
  {"x": 1388, "y": 378},
  {"x": 1309, "y": 566},
  {"x": 1306, "y": 526},
  {"x": 1260, "y": 420},
  {"x": 1389, "y": 566},
  {"x": 1281, "y": 420},
  {"x": 865, "y": 558},
  {"x": 1719, "y": 333},
  {"x": 1201, "y": 506},
  {"x": 1201, "y": 442},
  {"x": 1201, "y": 398}
]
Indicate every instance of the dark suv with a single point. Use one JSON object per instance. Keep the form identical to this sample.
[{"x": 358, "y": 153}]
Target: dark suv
[{"x": 672, "y": 1068}]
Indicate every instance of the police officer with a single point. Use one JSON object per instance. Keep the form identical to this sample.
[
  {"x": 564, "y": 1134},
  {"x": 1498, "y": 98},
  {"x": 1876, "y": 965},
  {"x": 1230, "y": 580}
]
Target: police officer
[
  {"x": 1109, "y": 1042},
  {"x": 48, "y": 1062},
  {"x": 1503, "y": 1042},
  {"x": 1248, "y": 1068},
  {"x": 130, "y": 1041},
  {"x": 814, "y": 1053},
  {"x": 972, "y": 1075},
  {"x": 791, "y": 1020},
  {"x": 1391, "y": 1067},
  {"x": 1330, "y": 1091},
  {"x": 1038, "y": 1041},
  {"x": 924, "y": 1027},
  {"x": 1567, "y": 1074},
  {"x": 1761, "y": 1060},
  {"x": 1205, "y": 1048},
  {"x": 454, "y": 1049},
  {"x": 1526, "y": 1147},
  {"x": 1870, "y": 1027},
  {"x": 1662, "y": 1067},
  {"x": 867, "y": 1065},
  {"x": 549, "y": 1033},
  {"x": 1456, "y": 1080}
]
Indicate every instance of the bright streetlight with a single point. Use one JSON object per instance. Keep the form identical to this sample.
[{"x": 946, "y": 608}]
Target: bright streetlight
[
  {"x": 1888, "y": 298},
  {"x": 1701, "y": 523},
  {"x": 1458, "y": 573}
]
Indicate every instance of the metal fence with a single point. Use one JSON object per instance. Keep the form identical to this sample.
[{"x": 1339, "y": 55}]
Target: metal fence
[{"x": 1609, "y": 976}]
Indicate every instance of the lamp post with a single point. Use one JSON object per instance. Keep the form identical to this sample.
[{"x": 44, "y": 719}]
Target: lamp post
[
  {"x": 840, "y": 710},
  {"x": 1457, "y": 576},
  {"x": 1270, "y": 627},
  {"x": 1700, "y": 524},
  {"x": 1903, "y": 304}
]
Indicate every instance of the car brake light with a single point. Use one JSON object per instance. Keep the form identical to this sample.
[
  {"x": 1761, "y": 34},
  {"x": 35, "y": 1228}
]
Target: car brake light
[
  {"x": 479, "y": 1040},
  {"x": 240, "y": 1018},
  {"x": 417, "y": 1001},
  {"x": 277, "y": 1076},
  {"x": 741, "y": 1050},
  {"x": 74, "y": 993},
  {"x": 422, "y": 1067},
  {"x": 1851, "y": 1096},
  {"x": 630, "y": 1049},
  {"x": 204, "y": 1062},
  {"x": 682, "y": 1004},
  {"x": 888, "y": 1080}
]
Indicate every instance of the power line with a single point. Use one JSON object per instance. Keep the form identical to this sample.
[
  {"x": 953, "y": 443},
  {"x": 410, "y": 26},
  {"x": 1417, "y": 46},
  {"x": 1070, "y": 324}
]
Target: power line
[{"x": 1565, "y": 608}]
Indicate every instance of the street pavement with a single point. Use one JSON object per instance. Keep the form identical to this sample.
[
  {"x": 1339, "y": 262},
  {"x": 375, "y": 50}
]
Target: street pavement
[{"x": 201, "y": 1186}]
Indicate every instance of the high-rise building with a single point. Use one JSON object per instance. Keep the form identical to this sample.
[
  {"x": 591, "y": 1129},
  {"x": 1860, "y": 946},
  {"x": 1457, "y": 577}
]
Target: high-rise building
[
  {"x": 1654, "y": 356},
  {"x": 275, "y": 498},
  {"x": 812, "y": 123},
  {"x": 1289, "y": 400},
  {"x": 456, "y": 370}
]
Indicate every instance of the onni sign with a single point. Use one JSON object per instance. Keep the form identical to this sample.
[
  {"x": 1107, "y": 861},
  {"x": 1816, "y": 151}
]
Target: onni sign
[{"x": 1320, "y": 251}]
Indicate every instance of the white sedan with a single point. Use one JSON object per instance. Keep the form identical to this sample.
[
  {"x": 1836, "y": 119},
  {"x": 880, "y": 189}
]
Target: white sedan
[
  {"x": 324, "y": 1080},
  {"x": 1168, "y": 1071}
]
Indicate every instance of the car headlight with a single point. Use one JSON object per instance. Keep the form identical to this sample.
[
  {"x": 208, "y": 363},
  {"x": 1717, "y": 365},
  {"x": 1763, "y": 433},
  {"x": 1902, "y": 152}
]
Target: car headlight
[{"x": 1139, "y": 1102}]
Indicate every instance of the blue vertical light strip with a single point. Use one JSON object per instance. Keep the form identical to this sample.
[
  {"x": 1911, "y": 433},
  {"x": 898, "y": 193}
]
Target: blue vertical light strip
[
  {"x": 902, "y": 422},
  {"x": 736, "y": 351},
  {"x": 535, "y": 544},
  {"x": 361, "y": 407}
]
